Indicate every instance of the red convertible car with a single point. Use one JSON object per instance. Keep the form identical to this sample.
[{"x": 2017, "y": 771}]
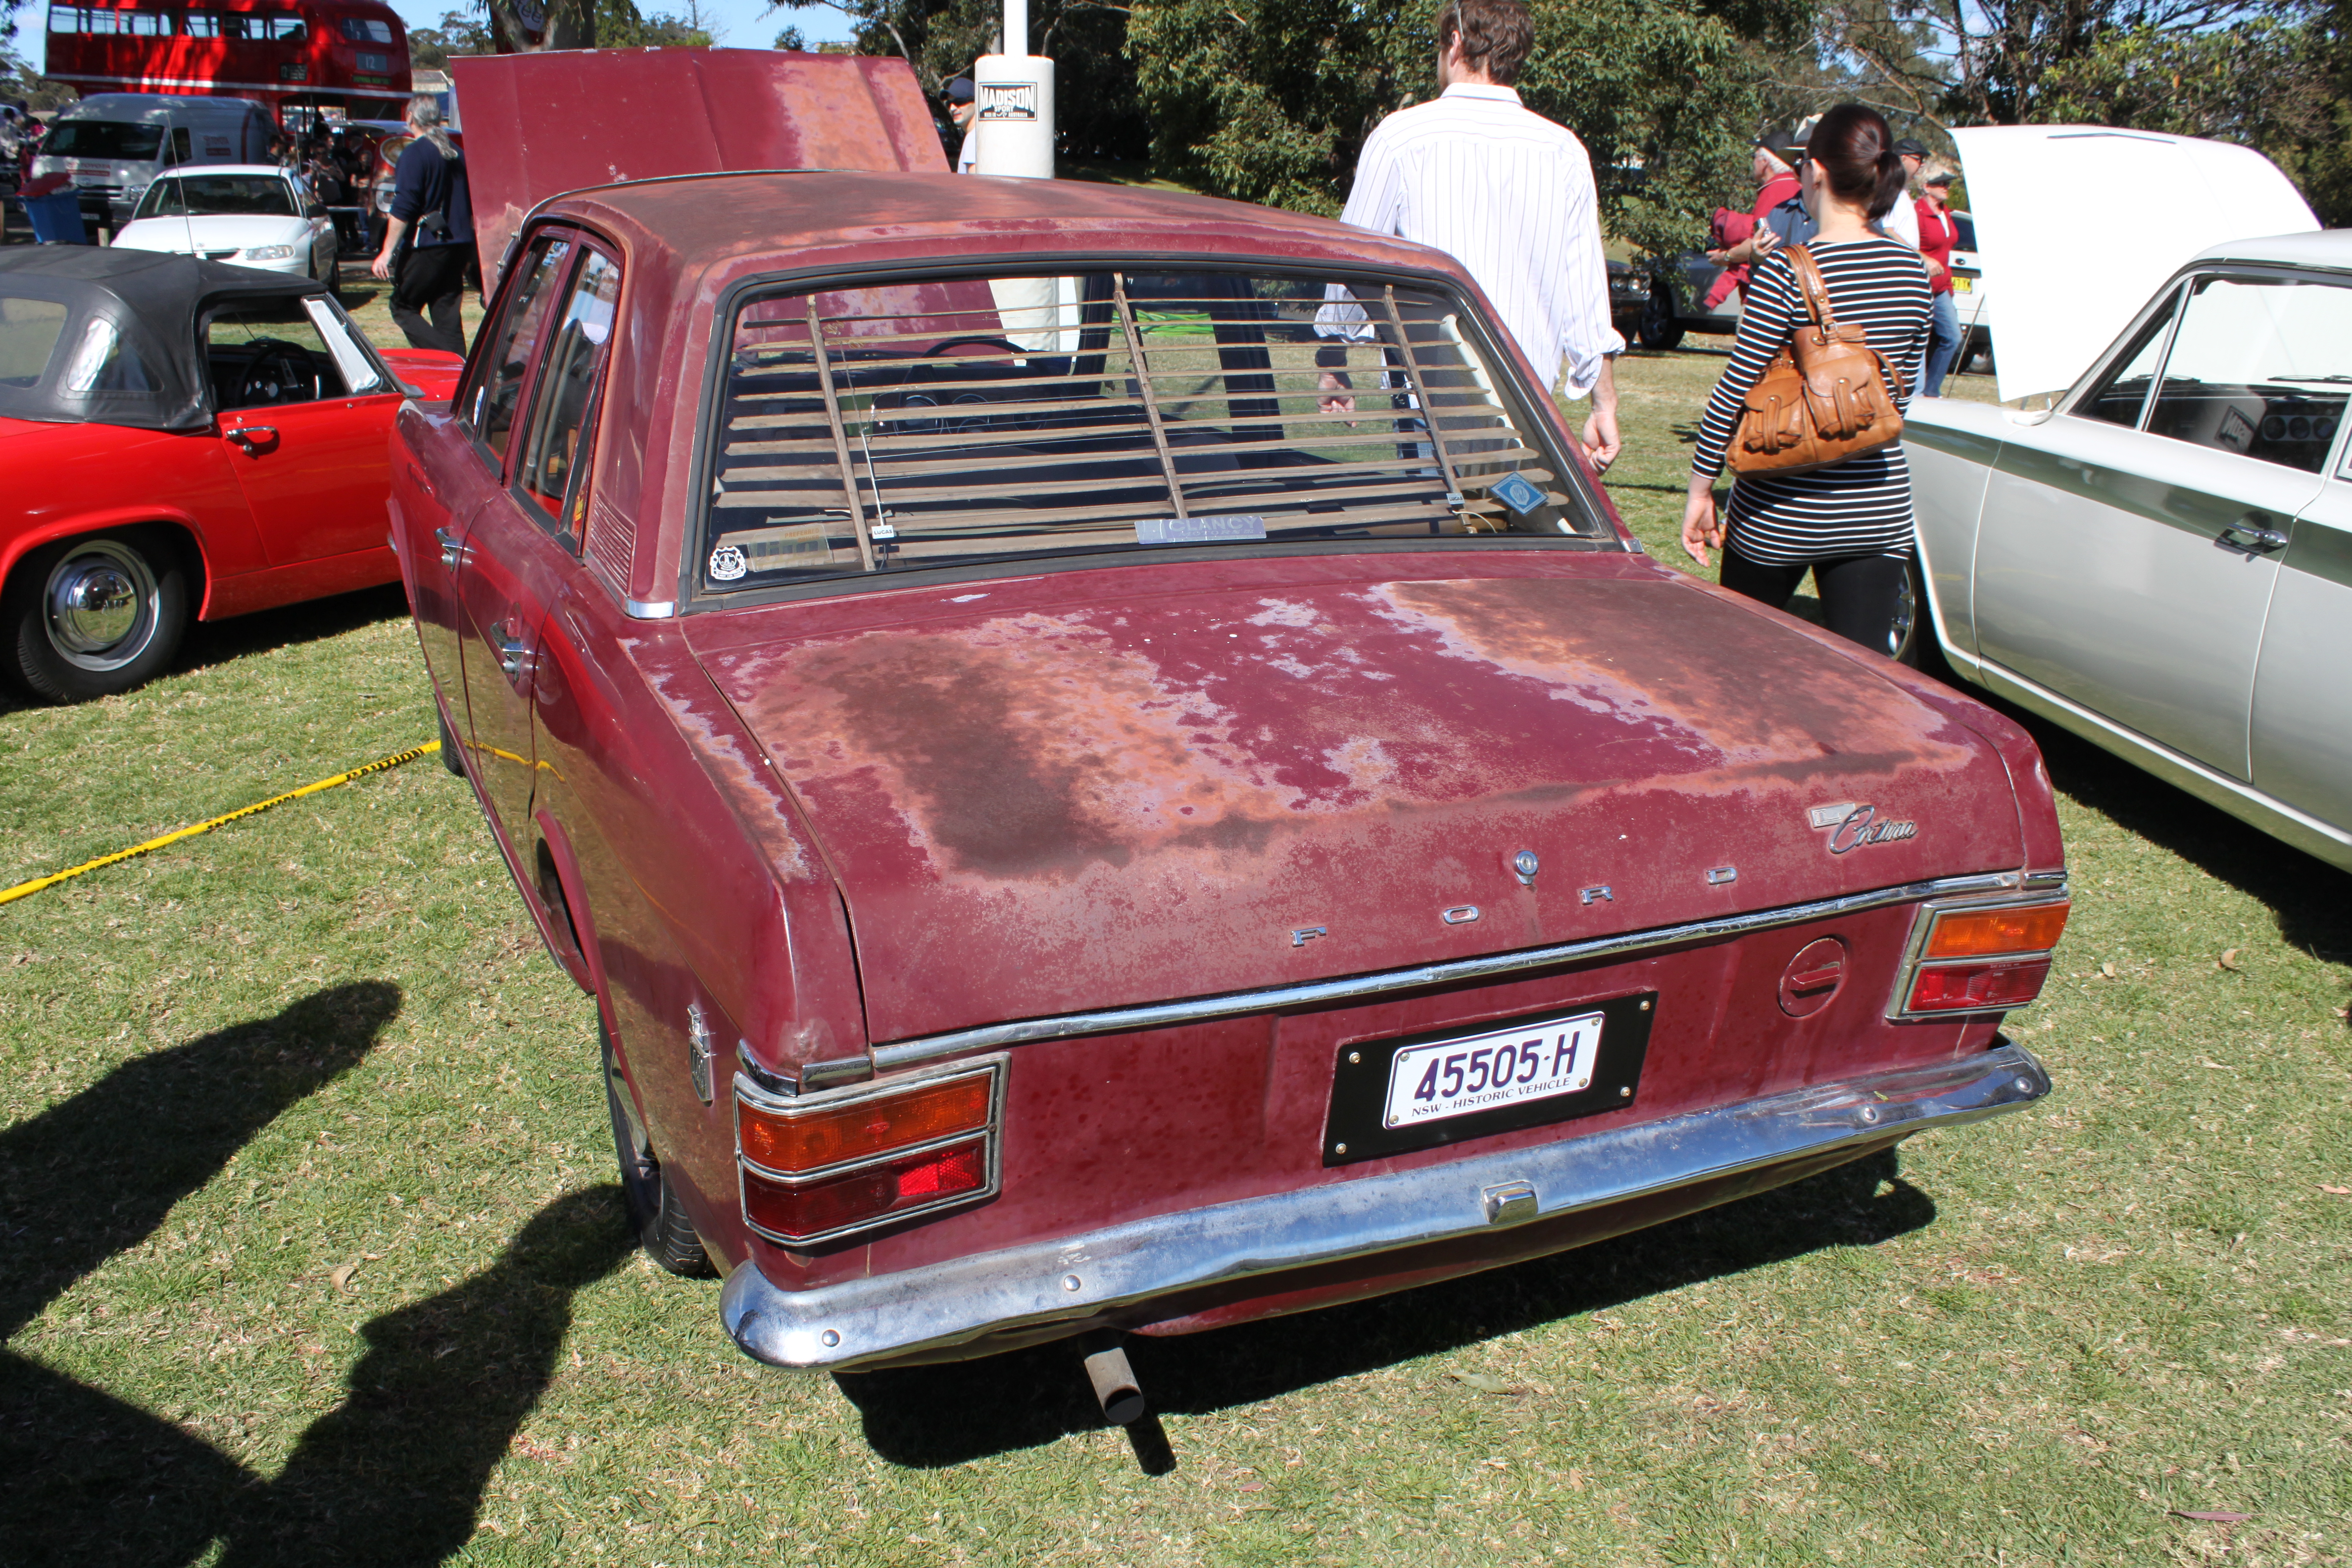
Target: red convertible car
[
  {"x": 1063, "y": 836},
  {"x": 180, "y": 437}
]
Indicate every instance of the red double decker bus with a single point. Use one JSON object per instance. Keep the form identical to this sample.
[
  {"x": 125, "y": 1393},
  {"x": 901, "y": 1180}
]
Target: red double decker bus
[{"x": 302, "y": 57}]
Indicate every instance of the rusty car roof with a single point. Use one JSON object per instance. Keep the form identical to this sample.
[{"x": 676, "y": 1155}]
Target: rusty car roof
[{"x": 744, "y": 224}]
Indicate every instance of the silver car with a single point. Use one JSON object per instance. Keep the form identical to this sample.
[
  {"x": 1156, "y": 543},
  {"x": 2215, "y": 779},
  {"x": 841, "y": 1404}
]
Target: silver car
[{"x": 2162, "y": 560}]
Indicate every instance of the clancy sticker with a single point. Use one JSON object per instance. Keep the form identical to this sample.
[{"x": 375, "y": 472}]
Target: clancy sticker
[{"x": 727, "y": 563}]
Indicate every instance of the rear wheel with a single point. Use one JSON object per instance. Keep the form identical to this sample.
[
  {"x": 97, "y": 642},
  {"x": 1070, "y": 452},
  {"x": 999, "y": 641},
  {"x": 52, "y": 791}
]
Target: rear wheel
[
  {"x": 1912, "y": 640},
  {"x": 1660, "y": 328},
  {"x": 93, "y": 616},
  {"x": 663, "y": 1229},
  {"x": 451, "y": 758}
]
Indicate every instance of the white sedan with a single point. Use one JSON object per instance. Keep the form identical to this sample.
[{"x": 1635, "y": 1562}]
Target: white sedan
[
  {"x": 2161, "y": 561},
  {"x": 248, "y": 215}
]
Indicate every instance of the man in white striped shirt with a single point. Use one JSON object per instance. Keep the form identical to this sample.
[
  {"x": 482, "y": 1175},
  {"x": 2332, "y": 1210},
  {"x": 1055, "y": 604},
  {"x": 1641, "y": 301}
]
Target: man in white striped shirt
[{"x": 1508, "y": 194}]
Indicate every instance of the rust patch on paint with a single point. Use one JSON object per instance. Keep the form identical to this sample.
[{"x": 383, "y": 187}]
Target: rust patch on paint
[{"x": 1203, "y": 727}]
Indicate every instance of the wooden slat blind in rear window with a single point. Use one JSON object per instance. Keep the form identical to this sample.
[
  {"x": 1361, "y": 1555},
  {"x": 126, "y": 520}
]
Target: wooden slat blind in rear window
[{"x": 970, "y": 419}]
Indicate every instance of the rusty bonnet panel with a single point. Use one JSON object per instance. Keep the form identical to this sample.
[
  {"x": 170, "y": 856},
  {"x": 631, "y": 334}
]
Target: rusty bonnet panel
[{"x": 1119, "y": 786}]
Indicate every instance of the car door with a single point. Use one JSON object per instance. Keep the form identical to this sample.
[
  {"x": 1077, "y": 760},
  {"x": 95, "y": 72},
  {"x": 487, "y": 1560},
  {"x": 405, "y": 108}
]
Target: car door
[
  {"x": 2302, "y": 687},
  {"x": 303, "y": 413},
  {"x": 2126, "y": 560},
  {"x": 510, "y": 567}
]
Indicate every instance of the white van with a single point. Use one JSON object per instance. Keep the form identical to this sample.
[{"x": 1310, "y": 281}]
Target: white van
[{"x": 112, "y": 144}]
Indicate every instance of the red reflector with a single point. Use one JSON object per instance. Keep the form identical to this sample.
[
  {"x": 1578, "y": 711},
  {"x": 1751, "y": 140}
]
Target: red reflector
[
  {"x": 862, "y": 1198},
  {"x": 1979, "y": 987}
]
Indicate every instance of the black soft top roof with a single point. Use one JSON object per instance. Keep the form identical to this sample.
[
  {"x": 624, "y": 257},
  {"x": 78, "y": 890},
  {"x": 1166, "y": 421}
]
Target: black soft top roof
[{"x": 153, "y": 378}]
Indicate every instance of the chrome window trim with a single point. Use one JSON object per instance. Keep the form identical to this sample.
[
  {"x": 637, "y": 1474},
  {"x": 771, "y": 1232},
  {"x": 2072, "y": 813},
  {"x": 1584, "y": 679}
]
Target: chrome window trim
[
  {"x": 1046, "y": 1288},
  {"x": 991, "y": 1132},
  {"x": 1316, "y": 992},
  {"x": 2041, "y": 891}
]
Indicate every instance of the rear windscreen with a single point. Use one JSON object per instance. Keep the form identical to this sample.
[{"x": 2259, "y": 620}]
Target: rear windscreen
[
  {"x": 963, "y": 420},
  {"x": 28, "y": 335},
  {"x": 103, "y": 139},
  {"x": 208, "y": 195}
]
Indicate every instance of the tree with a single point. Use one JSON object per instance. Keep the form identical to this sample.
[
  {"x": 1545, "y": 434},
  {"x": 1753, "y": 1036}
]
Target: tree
[
  {"x": 1270, "y": 100},
  {"x": 1097, "y": 110}
]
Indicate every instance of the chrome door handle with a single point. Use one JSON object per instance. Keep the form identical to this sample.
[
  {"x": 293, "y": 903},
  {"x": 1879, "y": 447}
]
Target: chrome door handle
[
  {"x": 254, "y": 437},
  {"x": 512, "y": 656},
  {"x": 453, "y": 554},
  {"x": 2248, "y": 537}
]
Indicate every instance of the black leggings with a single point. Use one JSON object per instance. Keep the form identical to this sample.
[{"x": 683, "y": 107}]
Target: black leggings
[{"x": 1858, "y": 592}]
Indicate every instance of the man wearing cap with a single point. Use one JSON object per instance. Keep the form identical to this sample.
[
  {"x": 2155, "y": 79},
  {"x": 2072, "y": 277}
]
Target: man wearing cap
[
  {"x": 1937, "y": 235},
  {"x": 961, "y": 108},
  {"x": 1778, "y": 153},
  {"x": 1902, "y": 223},
  {"x": 1508, "y": 194}
]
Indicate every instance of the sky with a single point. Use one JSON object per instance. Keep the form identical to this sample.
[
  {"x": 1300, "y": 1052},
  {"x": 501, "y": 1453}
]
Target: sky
[{"x": 734, "y": 23}]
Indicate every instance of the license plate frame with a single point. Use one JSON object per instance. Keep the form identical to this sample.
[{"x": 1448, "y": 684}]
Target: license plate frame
[{"x": 1355, "y": 1128}]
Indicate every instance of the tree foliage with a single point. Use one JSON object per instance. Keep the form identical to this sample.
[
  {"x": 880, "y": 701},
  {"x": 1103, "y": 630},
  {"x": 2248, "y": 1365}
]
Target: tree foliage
[
  {"x": 1095, "y": 111},
  {"x": 1270, "y": 100}
]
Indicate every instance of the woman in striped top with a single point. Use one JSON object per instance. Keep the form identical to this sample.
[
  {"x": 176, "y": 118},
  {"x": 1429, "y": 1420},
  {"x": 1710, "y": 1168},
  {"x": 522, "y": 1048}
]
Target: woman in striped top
[{"x": 1849, "y": 522}]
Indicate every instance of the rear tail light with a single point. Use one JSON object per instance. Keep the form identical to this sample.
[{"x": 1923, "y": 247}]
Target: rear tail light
[
  {"x": 829, "y": 1166},
  {"x": 1977, "y": 957}
]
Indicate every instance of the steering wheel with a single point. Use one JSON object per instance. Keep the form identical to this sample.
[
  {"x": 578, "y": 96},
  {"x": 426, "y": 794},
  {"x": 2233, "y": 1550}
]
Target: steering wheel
[
  {"x": 276, "y": 374},
  {"x": 1007, "y": 344}
]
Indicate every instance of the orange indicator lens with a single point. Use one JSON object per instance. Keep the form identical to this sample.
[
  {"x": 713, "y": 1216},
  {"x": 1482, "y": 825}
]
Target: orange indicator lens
[
  {"x": 1982, "y": 933},
  {"x": 913, "y": 1180},
  {"x": 816, "y": 1139}
]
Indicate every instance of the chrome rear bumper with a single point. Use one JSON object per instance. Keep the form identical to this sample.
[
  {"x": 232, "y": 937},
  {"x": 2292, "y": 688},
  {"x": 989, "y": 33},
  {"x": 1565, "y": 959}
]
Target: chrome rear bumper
[{"x": 924, "y": 1312}]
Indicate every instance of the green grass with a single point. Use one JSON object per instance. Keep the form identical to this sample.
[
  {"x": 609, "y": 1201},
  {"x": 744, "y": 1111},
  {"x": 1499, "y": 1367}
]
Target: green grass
[{"x": 326, "y": 1036}]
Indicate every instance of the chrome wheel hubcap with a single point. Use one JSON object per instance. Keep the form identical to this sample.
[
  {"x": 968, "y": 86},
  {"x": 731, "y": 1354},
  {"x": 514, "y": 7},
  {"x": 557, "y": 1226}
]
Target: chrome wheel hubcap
[
  {"x": 1907, "y": 611},
  {"x": 101, "y": 604}
]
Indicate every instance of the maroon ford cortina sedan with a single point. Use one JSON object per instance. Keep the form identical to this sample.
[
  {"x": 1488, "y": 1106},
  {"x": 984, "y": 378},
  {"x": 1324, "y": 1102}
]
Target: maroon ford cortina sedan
[{"x": 1064, "y": 834}]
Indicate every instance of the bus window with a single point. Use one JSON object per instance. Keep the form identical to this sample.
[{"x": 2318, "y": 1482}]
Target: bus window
[{"x": 367, "y": 30}]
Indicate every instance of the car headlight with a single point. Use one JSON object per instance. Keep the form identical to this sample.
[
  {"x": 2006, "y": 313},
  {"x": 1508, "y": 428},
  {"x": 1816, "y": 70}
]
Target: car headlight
[{"x": 268, "y": 252}]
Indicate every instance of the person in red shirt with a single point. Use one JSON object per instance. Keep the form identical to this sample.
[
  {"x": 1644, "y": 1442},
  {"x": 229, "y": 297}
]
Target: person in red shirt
[
  {"x": 1776, "y": 178},
  {"x": 1937, "y": 233}
]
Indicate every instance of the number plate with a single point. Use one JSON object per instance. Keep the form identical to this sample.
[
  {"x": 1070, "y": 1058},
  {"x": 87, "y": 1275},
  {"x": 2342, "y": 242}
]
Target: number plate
[
  {"x": 1390, "y": 1097},
  {"x": 1965, "y": 285}
]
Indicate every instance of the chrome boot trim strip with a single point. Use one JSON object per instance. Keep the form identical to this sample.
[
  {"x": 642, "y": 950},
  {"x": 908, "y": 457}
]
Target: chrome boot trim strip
[
  {"x": 1082, "y": 1279},
  {"x": 1316, "y": 992}
]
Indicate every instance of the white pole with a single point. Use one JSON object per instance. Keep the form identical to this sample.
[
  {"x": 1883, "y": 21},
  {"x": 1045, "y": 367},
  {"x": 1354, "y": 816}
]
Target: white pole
[{"x": 1015, "y": 124}]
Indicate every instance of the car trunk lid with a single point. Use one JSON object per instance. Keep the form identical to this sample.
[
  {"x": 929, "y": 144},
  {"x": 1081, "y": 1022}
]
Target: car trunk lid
[{"x": 1104, "y": 789}]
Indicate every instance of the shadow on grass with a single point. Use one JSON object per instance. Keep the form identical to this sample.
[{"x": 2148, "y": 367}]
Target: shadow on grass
[
  {"x": 222, "y": 642},
  {"x": 2312, "y": 900},
  {"x": 937, "y": 1415},
  {"x": 396, "y": 1473}
]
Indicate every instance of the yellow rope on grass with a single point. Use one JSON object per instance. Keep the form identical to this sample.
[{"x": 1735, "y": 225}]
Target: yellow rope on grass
[{"x": 24, "y": 889}]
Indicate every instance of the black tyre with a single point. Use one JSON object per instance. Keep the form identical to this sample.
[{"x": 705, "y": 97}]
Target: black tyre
[
  {"x": 95, "y": 616},
  {"x": 1660, "y": 328},
  {"x": 451, "y": 757},
  {"x": 663, "y": 1229}
]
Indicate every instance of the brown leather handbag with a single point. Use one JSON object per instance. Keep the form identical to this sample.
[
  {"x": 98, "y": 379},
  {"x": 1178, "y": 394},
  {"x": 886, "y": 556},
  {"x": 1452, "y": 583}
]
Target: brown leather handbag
[{"x": 1822, "y": 399}]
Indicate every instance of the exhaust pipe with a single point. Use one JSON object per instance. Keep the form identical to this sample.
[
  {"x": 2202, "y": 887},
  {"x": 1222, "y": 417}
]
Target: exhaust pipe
[{"x": 1114, "y": 1380}]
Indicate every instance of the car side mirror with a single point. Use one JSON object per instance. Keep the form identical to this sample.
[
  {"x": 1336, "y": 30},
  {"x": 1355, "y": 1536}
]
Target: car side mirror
[{"x": 316, "y": 209}]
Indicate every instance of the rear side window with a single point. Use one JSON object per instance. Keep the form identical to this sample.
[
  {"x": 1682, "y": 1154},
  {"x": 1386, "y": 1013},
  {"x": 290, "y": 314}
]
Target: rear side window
[
  {"x": 960, "y": 420},
  {"x": 29, "y": 330},
  {"x": 554, "y": 457},
  {"x": 493, "y": 401}
]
